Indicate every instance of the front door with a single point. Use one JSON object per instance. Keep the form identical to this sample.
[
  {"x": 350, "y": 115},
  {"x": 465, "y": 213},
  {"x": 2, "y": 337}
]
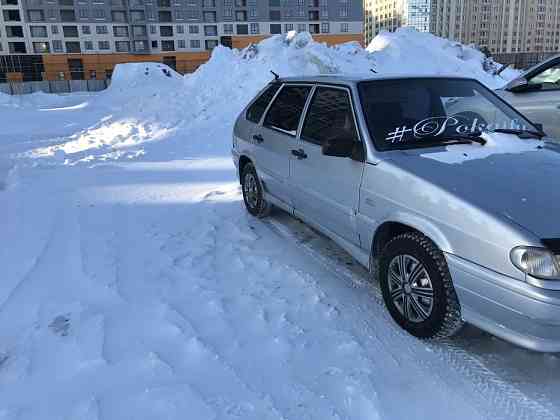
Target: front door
[
  {"x": 326, "y": 188},
  {"x": 276, "y": 137}
]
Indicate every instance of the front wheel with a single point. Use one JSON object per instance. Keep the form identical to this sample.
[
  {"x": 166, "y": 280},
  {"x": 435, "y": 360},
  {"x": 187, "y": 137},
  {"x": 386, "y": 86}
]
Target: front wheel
[
  {"x": 253, "y": 192},
  {"x": 417, "y": 287}
]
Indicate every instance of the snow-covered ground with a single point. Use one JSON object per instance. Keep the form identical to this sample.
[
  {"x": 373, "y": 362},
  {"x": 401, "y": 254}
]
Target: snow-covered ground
[{"x": 135, "y": 286}]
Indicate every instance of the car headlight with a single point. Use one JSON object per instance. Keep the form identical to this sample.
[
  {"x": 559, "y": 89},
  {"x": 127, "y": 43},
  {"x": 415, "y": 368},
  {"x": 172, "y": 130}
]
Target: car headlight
[{"x": 537, "y": 262}]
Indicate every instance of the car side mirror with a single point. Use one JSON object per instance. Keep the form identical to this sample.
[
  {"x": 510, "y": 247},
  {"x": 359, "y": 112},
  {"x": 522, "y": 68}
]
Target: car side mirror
[
  {"x": 338, "y": 147},
  {"x": 521, "y": 85},
  {"x": 538, "y": 126}
]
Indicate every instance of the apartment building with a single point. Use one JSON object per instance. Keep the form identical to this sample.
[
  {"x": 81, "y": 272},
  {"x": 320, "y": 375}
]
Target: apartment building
[
  {"x": 500, "y": 26},
  {"x": 388, "y": 15},
  {"x": 84, "y": 39}
]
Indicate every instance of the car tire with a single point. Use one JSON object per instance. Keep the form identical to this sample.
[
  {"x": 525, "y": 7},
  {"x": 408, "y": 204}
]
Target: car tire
[
  {"x": 417, "y": 287},
  {"x": 253, "y": 192}
]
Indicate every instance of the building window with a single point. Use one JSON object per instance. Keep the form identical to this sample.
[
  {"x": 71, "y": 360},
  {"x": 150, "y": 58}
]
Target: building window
[
  {"x": 154, "y": 44},
  {"x": 210, "y": 44},
  {"x": 275, "y": 28},
  {"x": 84, "y": 13},
  {"x": 122, "y": 46},
  {"x": 195, "y": 43},
  {"x": 118, "y": 16},
  {"x": 180, "y": 29},
  {"x": 241, "y": 16},
  {"x": 139, "y": 31},
  {"x": 99, "y": 13},
  {"x": 181, "y": 43},
  {"x": 166, "y": 30},
  {"x": 228, "y": 28},
  {"x": 168, "y": 45},
  {"x": 153, "y": 29},
  {"x": 242, "y": 29},
  {"x": 137, "y": 16},
  {"x": 140, "y": 46},
  {"x": 38, "y": 31},
  {"x": 101, "y": 30},
  {"x": 210, "y": 30},
  {"x": 120, "y": 31},
  {"x": 70, "y": 31},
  {"x": 301, "y": 27},
  {"x": 73, "y": 47},
  {"x": 255, "y": 28},
  {"x": 289, "y": 27},
  {"x": 104, "y": 45},
  {"x": 88, "y": 45},
  {"x": 34, "y": 16},
  {"x": 344, "y": 27},
  {"x": 54, "y": 29},
  {"x": 325, "y": 27},
  {"x": 57, "y": 45},
  {"x": 41, "y": 47},
  {"x": 67, "y": 16},
  {"x": 165, "y": 16},
  {"x": 86, "y": 30},
  {"x": 193, "y": 29},
  {"x": 209, "y": 16}
]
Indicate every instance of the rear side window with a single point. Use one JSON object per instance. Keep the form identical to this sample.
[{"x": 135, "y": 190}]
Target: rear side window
[
  {"x": 285, "y": 111},
  {"x": 329, "y": 116},
  {"x": 255, "y": 111}
]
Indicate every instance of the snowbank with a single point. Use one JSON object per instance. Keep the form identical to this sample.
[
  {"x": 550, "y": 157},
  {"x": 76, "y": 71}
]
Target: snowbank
[{"x": 147, "y": 102}]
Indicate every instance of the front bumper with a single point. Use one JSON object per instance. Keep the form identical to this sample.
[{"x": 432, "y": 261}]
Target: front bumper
[{"x": 508, "y": 308}]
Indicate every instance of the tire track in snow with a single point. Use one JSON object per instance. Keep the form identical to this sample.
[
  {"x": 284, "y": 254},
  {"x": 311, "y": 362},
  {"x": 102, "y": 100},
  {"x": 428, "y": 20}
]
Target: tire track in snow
[{"x": 500, "y": 399}]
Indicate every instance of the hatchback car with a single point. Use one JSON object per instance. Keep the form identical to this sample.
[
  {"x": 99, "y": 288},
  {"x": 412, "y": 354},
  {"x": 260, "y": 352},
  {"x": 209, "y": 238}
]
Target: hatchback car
[
  {"x": 444, "y": 191},
  {"x": 536, "y": 93}
]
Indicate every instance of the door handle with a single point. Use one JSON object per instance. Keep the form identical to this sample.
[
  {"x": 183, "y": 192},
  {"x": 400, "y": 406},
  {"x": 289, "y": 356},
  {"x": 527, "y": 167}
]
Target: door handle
[
  {"x": 299, "y": 153},
  {"x": 258, "y": 138}
]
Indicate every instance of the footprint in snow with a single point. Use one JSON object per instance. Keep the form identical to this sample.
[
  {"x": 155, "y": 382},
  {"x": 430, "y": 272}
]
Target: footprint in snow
[
  {"x": 61, "y": 325},
  {"x": 213, "y": 194}
]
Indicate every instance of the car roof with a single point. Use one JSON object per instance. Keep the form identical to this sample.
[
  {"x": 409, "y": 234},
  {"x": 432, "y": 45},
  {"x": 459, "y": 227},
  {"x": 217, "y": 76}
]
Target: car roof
[{"x": 348, "y": 79}]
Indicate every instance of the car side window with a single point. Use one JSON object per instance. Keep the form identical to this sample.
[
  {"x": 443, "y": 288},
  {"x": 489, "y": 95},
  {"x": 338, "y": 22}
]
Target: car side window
[
  {"x": 256, "y": 110},
  {"x": 329, "y": 117},
  {"x": 286, "y": 110},
  {"x": 548, "y": 79}
]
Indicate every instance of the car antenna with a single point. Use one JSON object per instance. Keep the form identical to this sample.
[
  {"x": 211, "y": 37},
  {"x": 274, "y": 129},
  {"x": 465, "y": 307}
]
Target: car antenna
[
  {"x": 276, "y": 77},
  {"x": 373, "y": 71}
]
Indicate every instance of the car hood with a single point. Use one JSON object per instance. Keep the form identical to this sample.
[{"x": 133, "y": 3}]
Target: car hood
[{"x": 521, "y": 187}]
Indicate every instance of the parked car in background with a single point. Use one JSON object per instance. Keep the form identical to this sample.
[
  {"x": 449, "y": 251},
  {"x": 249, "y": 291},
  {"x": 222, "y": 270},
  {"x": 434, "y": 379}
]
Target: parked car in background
[
  {"x": 536, "y": 93},
  {"x": 443, "y": 190}
]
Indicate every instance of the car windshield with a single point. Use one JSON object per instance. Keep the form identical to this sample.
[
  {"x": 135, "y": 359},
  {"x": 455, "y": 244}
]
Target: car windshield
[{"x": 422, "y": 112}]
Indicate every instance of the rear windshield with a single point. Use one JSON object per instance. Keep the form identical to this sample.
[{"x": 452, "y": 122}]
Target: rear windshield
[{"x": 408, "y": 113}]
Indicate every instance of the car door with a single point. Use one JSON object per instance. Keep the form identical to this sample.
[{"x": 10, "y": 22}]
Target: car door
[
  {"x": 274, "y": 140},
  {"x": 540, "y": 102},
  {"x": 326, "y": 188}
]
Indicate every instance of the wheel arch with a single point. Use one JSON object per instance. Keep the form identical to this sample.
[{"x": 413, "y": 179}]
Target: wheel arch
[
  {"x": 395, "y": 226},
  {"x": 243, "y": 161}
]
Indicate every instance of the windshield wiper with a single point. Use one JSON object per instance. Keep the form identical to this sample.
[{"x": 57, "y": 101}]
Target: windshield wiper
[
  {"x": 469, "y": 138},
  {"x": 522, "y": 134}
]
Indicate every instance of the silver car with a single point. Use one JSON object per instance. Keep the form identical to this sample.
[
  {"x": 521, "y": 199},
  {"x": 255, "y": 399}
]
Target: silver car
[
  {"x": 444, "y": 191},
  {"x": 536, "y": 93}
]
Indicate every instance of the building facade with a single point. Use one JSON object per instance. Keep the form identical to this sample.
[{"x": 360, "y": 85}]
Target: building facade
[
  {"x": 83, "y": 39},
  {"x": 498, "y": 26},
  {"x": 388, "y": 15}
]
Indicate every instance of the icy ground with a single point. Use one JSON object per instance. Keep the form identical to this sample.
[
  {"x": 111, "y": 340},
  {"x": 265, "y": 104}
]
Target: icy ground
[{"x": 135, "y": 286}]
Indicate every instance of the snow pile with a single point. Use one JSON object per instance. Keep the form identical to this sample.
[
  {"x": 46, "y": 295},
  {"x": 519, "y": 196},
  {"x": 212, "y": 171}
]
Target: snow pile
[{"x": 147, "y": 102}]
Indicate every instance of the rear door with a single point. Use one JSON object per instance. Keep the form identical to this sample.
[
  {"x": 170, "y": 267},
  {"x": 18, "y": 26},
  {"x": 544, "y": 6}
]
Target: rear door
[
  {"x": 275, "y": 138},
  {"x": 326, "y": 188}
]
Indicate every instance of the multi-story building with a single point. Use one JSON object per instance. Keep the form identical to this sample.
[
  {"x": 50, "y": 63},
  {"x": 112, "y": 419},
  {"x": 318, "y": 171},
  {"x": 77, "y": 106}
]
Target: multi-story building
[
  {"x": 84, "y": 39},
  {"x": 388, "y": 15},
  {"x": 500, "y": 26}
]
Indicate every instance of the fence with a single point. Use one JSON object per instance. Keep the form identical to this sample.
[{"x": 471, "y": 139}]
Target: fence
[
  {"x": 522, "y": 60},
  {"x": 54, "y": 86}
]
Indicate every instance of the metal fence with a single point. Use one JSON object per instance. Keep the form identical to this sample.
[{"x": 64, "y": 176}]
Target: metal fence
[
  {"x": 54, "y": 86},
  {"x": 522, "y": 61}
]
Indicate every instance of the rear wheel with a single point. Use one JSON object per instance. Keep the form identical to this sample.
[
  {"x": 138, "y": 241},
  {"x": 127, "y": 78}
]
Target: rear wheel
[
  {"x": 253, "y": 192},
  {"x": 417, "y": 287}
]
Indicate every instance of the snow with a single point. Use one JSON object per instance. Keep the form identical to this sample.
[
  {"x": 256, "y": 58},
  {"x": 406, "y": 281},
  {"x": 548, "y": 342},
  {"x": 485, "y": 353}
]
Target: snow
[{"x": 135, "y": 285}]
